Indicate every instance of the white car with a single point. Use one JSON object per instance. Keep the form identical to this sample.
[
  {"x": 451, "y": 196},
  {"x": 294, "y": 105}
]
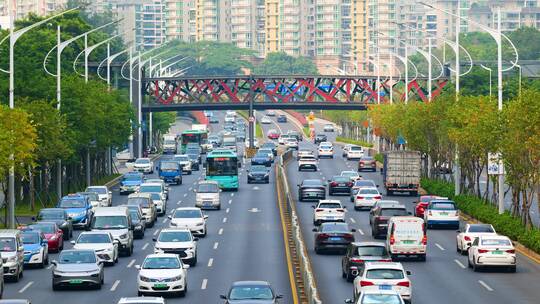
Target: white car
[
  {"x": 266, "y": 120},
  {"x": 105, "y": 196},
  {"x": 190, "y": 218},
  {"x": 303, "y": 152},
  {"x": 441, "y": 213},
  {"x": 162, "y": 273},
  {"x": 270, "y": 113},
  {"x": 492, "y": 251},
  {"x": 185, "y": 162},
  {"x": 328, "y": 128},
  {"x": 366, "y": 197},
  {"x": 307, "y": 162},
  {"x": 102, "y": 242},
  {"x": 326, "y": 149},
  {"x": 231, "y": 113},
  {"x": 142, "y": 300},
  {"x": 230, "y": 118},
  {"x": 406, "y": 236},
  {"x": 377, "y": 296},
  {"x": 292, "y": 143},
  {"x": 467, "y": 235},
  {"x": 328, "y": 211},
  {"x": 208, "y": 195},
  {"x": 283, "y": 139},
  {"x": 255, "y": 143},
  {"x": 354, "y": 152},
  {"x": 178, "y": 241},
  {"x": 352, "y": 175},
  {"x": 144, "y": 165},
  {"x": 383, "y": 276},
  {"x": 345, "y": 148}
]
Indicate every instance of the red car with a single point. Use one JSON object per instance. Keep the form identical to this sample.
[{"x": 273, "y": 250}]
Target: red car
[
  {"x": 422, "y": 204},
  {"x": 367, "y": 163},
  {"x": 53, "y": 234},
  {"x": 273, "y": 134}
]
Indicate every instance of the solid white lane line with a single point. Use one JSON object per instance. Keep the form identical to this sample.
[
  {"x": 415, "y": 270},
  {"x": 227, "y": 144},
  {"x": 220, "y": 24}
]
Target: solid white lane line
[
  {"x": 220, "y": 232},
  {"x": 224, "y": 219},
  {"x": 460, "y": 264},
  {"x": 439, "y": 246},
  {"x": 204, "y": 283},
  {"x": 156, "y": 232},
  {"x": 145, "y": 246},
  {"x": 26, "y": 286},
  {"x": 210, "y": 262},
  {"x": 131, "y": 263},
  {"x": 486, "y": 286},
  {"x": 360, "y": 231},
  {"x": 227, "y": 211},
  {"x": 116, "y": 283},
  {"x": 216, "y": 244},
  {"x": 164, "y": 220},
  {"x": 352, "y": 220}
]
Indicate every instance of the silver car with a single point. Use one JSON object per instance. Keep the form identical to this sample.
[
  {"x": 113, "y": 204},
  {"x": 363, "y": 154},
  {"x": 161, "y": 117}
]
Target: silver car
[{"x": 77, "y": 268}]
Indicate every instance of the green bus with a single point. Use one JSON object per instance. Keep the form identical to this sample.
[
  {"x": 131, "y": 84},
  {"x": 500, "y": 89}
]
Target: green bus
[
  {"x": 194, "y": 136},
  {"x": 222, "y": 166}
]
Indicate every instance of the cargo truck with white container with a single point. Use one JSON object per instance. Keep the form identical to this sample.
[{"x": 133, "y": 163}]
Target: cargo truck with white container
[
  {"x": 169, "y": 144},
  {"x": 401, "y": 171}
]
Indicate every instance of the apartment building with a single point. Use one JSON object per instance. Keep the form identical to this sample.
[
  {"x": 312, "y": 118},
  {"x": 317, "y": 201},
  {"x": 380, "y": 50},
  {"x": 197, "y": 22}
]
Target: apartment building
[
  {"x": 22, "y": 8},
  {"x": 180, "y": 20}
]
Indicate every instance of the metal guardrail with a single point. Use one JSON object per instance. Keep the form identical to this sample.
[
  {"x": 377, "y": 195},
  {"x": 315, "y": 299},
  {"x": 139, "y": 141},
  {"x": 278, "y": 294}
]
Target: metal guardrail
[{"x": 304, "y": 272}]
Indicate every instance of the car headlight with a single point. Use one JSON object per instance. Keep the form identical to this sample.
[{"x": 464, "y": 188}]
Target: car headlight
[
  {"x": 177, "y": 278},
  {"x": 36, "y": 251},
  {"x": 173, "y": 224},
  {"x": 123, "y": 236},
  {"x": 53, "y": 238},
  {"x": 64, "y": 224},
  {"x": 82, "y": 213},
  {"x": 200, "y": 224},
  {"x": 144, "y": 279},
  {"x": 12, "y": 259}
]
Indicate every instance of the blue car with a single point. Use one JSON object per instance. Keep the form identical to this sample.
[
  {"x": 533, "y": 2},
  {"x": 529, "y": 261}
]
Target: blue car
[
  {"x": 261, "y": 159},
  {"x": 36, "y": 248},
  {"x": 78, "y": 208},
  {"x": 130, "y": 182}
]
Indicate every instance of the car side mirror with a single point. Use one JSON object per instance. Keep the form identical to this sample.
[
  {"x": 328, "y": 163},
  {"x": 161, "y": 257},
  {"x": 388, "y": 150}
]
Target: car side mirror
[
  {"x": 72, "y": 242},
  {"x": 154, "y": 240},
  {"x": 69, "y": 218},
  {"x": 185, "y": 266},
  {"x": 349, "y": 301},
  {"x": 195, "y": 239},
  {"x": 44, "y": 242},
  {"x": 298, "y": 185},
  {"x": 353, "y": 230},
  {"x": 169, "y": 217},
  {"x": 458, "y": 231},
  {"x": 408, "y": 273},
  {"x": 279, "y": 297},
  {"x": 137, "y": 266},
  {"x": 33, "y": 218},
  {"x": 223, "y": 297},
  {"x": 378, "y": 186},
  {"x": 54, "y": 262},
  {"x": 314, "y": 229},
  {"x": 205, "y": 217},
  {"x": 409, "y": 213},
  {"x": 157, "y": 168},
  {"x": 313, "y": 206}
]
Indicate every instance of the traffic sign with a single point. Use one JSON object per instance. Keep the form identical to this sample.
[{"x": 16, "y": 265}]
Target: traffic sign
[
  {"x": 251, "y": 119},
  {"x": 495, "y": 164}
]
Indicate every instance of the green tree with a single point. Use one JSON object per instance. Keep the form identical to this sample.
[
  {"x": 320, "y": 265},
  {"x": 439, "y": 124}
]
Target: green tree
[{"x": 280, "y": 63}]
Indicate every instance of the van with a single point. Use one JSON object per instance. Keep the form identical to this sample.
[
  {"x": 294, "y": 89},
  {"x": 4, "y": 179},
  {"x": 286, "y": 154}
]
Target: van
[
  {"x": 12, "y": 251},
  {"x": 117, "y": 221},
  {"x": 406, "y": 236},
  {"x": 147, "y": 205}
]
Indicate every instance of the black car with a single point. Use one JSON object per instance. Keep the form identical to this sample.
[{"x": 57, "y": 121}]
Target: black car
[
  {"x": 296, "y": 135},
  {"x": 358, "y": 254},
  {"x": 311, "y": 189},
  {"x": 138, "y": 221},
  {"x": 333, "y": 237},
  {"x": 339, "y": 184},
  {"x": 379, "y": 225},
  {"x": 251, "y": 292},
  {"x": 282, "y": 118},
  {"x": 270, "y": 145},
  {"x": 58, "y": 216},
  {"x": 261, "y": 159},
  {"x": 319, "y": 138},
  {"x": 258, "y": 174}
]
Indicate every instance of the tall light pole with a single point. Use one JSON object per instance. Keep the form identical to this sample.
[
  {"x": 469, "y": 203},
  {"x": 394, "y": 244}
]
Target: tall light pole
[
  {"x": 13, "y": 37},
  {"x": 87, "y": 51}
]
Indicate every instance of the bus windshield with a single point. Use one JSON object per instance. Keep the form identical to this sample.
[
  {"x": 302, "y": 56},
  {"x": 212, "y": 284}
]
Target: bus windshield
[
  {"x": 222, "y": 166},
  {"x": 190, "y": 138}
]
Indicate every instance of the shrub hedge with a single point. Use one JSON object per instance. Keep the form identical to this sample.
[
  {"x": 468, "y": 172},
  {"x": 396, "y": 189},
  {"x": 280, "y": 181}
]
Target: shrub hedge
[
  {"x": 504, "y": 224},
  {"x": 354, "y": 142}
]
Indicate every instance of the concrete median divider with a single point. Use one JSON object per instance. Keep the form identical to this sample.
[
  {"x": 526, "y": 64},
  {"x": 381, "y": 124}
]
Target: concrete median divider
[{"x": 304, "y": 281}]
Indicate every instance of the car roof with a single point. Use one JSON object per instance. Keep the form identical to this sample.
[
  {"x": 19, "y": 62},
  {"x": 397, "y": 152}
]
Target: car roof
[
  {"x": 149, "y": 300},
  {"x": 362, "y": 244},
  {"x": 394, "y": 206},
  {"x": 250, "y": 283},
  {"x": 162, "y": 255},
  {"x": 151, "y": 184},
  {"x": 208, "y": 182},
  {"x": 188, "y": 208},
  {"x": 99, "y": 187},
  {"x": 370, "y": 188},
  {"x": 406, "y": 219},
  {"x": 330, "y": 201},
  {"x": 175, "y": 230},
  {"x": 383, "y": 265},
  {"x": 494, "y": 236},
  {"x": 380, "y": 292},
  {"x": 9, "y": 232}
]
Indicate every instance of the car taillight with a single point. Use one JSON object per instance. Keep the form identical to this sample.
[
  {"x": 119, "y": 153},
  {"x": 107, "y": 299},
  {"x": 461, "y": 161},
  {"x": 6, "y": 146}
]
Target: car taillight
[
  {"x": 361, "y": 164},
  {"x": 333, "y": 184},
  {"x": 348, "y": 236},
  {"x": 482, "y": 250},
  {"x": 392, "y": 239},
  {"x": 467, "y": 238},
  {"x": 349, "y": 184},
  {"x": 385, "y": 260},
  {"x": 404, "y": 284},
  {"x": 511, "y": 251},
  {"x": 323, "y": 235},
  {"x": 357, "y": 261},
  {"x": 340, "y": 210},
  {"x": 377, "y": 197},
  {"x": 319, "y": 210},
  {"x": 360, "y": 197},
  {"x": 429, "y": 213},
  {"x": 424, "y": 240},
  {"x": 366, "y": 283}
]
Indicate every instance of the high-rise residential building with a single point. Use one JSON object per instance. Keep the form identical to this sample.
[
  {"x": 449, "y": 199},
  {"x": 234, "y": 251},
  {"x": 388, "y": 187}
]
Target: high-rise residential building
[
  {"x": 212, "y": 20},
  {"x": 21, "y": 8},
  {"x": 359, "y": 33},
  {"x": 150, "y": 23},
  {"x": 180, "y": 20}
]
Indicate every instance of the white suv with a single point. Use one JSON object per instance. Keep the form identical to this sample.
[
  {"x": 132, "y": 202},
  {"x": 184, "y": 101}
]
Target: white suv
[
  {"x": 144, "y": 165},
  {"x": 326, "y": 149},
  {"x": 383, "y": 276},
  {"x": 162, "y": 274},
  {"x": 190, "y": 218},
  {"x": 208, "y": 195},
  {"x": 307, "y": 162},
  {"x": 328, "y": 211},
  {"x": 354, "y": 152},
  {"x": 105, "y": 196},
  {"x": 178, "y": 241}
]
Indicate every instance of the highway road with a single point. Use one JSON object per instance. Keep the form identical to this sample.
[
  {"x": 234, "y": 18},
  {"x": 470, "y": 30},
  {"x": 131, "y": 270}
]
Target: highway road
[
  {"x": 444, "y": 278},
  {"x": 240, "y": 245}
]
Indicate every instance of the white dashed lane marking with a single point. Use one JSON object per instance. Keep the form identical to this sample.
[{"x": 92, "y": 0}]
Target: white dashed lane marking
[
  {"x": 131, "y": 263},
  {"x": 145, "y": 246},
  {"x": 220, "y": 232},
  {"x": 210, "y": 262},
  {"x": 486, "y": 286},
  {"x": 360, "y": 231},
  {"x": 227, "y": 211},
  {"x": 460, "y": 264},
  {"x": 352, "y": 220},
  {"x": 156, "y": 232},
  {"x": 204, "y": 283},
  {"x": 115, "y": 285},
  {"x": 439, "y": 246},
  {"x": 216, "y": 244},
  {"x": 224, "y": 219},
  {"x": 26, "y": 286}
]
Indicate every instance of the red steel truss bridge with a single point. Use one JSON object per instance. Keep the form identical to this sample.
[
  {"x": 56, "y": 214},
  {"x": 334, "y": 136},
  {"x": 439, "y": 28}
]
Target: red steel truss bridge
[{"x": 278, "y": 92}]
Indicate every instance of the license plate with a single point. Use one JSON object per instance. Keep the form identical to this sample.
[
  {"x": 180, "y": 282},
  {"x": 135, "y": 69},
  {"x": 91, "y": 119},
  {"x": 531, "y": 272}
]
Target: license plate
[
  {"x": 335, "y": 239},
  {"x": 312, "y": 194},
  {"x": 368, "y": 198},
  {"x": 496, "y": 252},
  {"x": 407, "y": 242},
  {"x": 160, "y": 285},
  {"x": 341, "y": 185},
  {"x": 75, "y": 281},
  {"x": 385, "y": 287},
  {"x": 206, "y": 203},
  {"x": 444, "y": 213}
]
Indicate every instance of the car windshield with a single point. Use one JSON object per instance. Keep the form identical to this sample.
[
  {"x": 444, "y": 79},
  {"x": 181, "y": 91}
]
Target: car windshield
[
  {"x": 380, "y": 299},
  {"x": 150, "y": 189},
  {"x": 193, "y": 151},
  {"x": 143, "y": 202},
  {"x": 51, "y": 214},
  {"x": 355, "y": 148},
  {"x": 30, "y": 238},
  {"x": 169, "y": 166},
  {"x": 251, "y": 293},
  {"x": 258, "y": 169},
  {"x": 368, "y": 191},
  {"x": 7, "y": 244},
  {"x": 496, "y": 242},
  {"x": 142, "y": 161},
  {"x": 72, "y": 203},
  {"x": 367, "y": 159},
  {"x": 329, "y": 205},
  {"x": 187, "y": 214},
  {"x": 312, "y": 182},
  {"x": 443, "y": 206},
  {"x": 207, "y": 188},
  {"x": 77, "y": 257},
  {"x": 372, "y": 251},
  {"x": 269, "y": 145},
  {"x": 99, "y": 190},
  {"x": 308, "y": 158},
  {"x": 385, "y": 274},
  {"x": 261, "y": 155},
  {"x": 426, "y": 198},
  {"x": 481, "y": 228},
  {"x": 394, "y": 212},
  {"x": 45, "y": 228},
  {"x": 335, "y": 228},
  {"x": 156, "y": 196},
  {"x": 161, "y": 263},
  {"x": 364, "y": 183},
  {"x": 175, "y": 236},
  {"x": 169, "y": 142},
  {"x": 110, "y": 222},
  {"x": 134, "y": 215},
  {"x": 349, "y": 173},
  {"x": 93, "y": 238},
  {"x": 91, "y": 195},
  {"x": 182, "y": 158}
]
